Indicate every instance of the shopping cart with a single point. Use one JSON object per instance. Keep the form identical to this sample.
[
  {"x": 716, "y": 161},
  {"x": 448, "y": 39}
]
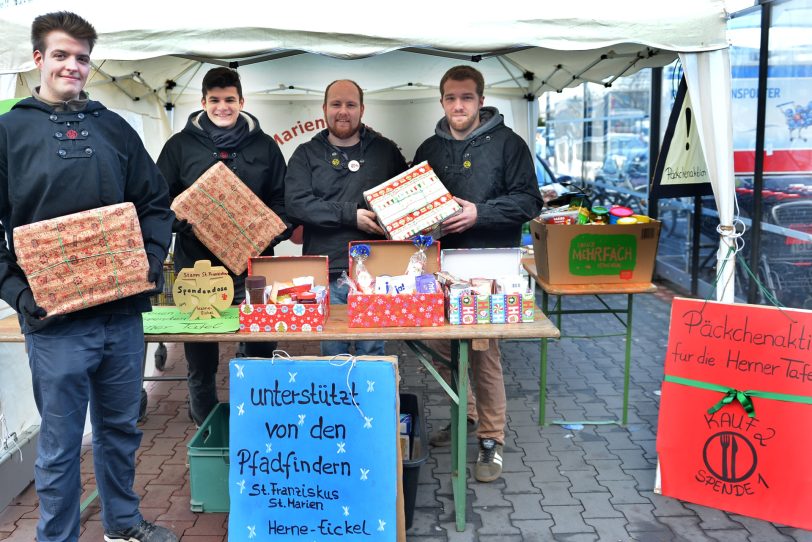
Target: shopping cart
[
  {"x": 162, "y": 298},
  {"x": 787, "y": 260}
]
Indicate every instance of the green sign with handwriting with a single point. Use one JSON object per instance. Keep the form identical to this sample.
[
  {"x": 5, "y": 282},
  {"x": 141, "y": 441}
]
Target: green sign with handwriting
[{"x": 166, "y": 320}]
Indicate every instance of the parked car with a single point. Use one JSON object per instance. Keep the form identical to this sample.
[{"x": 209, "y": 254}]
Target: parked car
[{"x": 545, "y": 174}]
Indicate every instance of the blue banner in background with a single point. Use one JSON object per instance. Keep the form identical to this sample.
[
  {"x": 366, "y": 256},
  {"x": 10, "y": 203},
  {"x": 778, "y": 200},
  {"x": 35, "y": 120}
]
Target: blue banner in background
[{"x": 313, "y": 450}]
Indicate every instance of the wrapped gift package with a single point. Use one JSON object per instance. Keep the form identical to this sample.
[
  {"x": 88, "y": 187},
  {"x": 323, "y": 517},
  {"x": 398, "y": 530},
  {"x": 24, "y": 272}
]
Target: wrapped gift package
[
  {"x": 287, "y": 317},
  {"x": 227, "y": 217},
  {"x": 495, "y": 264},
  {"x": 84, "y": 259},
  {"x": 395, "y": 310},
  {"x": 411, "y": 203}
]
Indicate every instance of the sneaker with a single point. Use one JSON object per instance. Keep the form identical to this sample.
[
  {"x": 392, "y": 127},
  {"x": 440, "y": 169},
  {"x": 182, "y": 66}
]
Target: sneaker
[
  {"x": 141, "y": 532},
  {"x": 489, "y": 463},
  {"x": 442, "y": 437}
]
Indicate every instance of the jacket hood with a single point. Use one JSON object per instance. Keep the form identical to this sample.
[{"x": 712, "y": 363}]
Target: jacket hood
[
  {"x": 489, "y": 118},
  {"x": 193, "y": 123},
  {"x": 33, "y": 103}
]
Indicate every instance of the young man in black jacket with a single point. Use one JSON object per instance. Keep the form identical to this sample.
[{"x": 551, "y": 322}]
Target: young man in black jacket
[
  {"x": 221, "y": 131},
  {"x": 324, "y": 190},
  {"x": 489, "y": 170},
  {"x": 61, "y": 153}
]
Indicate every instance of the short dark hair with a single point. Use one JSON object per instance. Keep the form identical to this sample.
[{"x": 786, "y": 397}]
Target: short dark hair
[
  {"x": 65, "y": 21},
  {"x": 463, "y": 73},
  {"x": 357, "y": 86},
  {"x": 221, "y": 78}
]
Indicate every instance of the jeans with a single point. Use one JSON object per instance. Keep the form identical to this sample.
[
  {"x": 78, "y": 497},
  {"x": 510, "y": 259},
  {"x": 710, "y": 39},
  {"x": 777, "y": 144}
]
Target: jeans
[
  {"x": 96, "y": 360},
  {"x": 338, "y": 296}
]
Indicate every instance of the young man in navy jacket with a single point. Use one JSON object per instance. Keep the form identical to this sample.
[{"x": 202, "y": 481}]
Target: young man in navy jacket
[{"x": 61, "y": 153}]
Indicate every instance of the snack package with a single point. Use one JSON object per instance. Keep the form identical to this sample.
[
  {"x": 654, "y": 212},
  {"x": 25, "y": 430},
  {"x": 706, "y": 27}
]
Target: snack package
[
  {"x": 514, "y": 284},
  {"x": 482, "y": 286},
  {"x": 403, "y": 284},
  {"x": 382, "y": 284},
  {"x": 345, "y": 279},
  {"x": 425, "y": 284},
  {"x": 560, "y": 216},
  {"x": 417, "y": 262},
  {"x": 445, "y": 278},
  {"x": 363, "y": 278}
]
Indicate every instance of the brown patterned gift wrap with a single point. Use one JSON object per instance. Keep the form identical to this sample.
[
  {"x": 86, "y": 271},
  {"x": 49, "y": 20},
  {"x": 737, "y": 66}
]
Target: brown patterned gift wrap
[
  {"x": 84, "y": 259},
  {"x": 227, "y": 217}
]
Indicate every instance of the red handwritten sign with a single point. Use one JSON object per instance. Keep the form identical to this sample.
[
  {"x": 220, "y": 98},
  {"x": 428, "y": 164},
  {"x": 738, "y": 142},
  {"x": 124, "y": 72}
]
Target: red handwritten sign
[{"x": 755, "y": 466}]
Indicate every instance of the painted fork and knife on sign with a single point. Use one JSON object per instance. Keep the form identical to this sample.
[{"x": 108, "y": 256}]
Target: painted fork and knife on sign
[{"x": 728, "y": 440}]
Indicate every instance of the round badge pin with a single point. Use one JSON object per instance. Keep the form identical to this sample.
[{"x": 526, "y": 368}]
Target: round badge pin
[{"x": 354, "y": 165}]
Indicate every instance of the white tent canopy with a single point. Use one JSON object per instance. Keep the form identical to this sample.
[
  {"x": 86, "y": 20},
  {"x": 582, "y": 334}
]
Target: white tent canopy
[
  {"x": 159, "y": 28},
  {"x": 523, "y": 48}
]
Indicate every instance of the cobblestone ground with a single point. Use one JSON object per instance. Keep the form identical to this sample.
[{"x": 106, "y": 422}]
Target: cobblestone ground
[{"x": 591, "y": 484}]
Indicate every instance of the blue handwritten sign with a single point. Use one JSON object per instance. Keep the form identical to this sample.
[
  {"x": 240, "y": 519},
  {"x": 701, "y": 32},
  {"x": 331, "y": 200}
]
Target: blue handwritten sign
[{"x": 312, "y": 450}]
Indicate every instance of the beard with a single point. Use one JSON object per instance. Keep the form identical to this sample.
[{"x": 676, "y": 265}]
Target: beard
[
  {"x": 343, "y": 131},
  {"x": 462, "y": 124}
]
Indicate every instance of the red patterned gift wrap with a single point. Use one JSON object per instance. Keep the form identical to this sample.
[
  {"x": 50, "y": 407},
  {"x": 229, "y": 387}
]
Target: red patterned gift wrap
[
  {"x": 404, "y": 310},
  {"x": 279, "y": 318},
  {"x": 227, "y": 217},
  {"x": 290, "y": 317},
  {"x": 83, "y": 259}
]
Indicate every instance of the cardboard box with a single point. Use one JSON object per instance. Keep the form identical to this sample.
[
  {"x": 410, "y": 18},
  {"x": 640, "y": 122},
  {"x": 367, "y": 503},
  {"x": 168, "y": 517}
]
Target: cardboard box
[
  {"x": 83, "y": 259},
  {"x": 227, "y": 217},
  {"x": 593, "y": 254},
  {"x": 411, "y": 203},
  {"x": 469, "y": 263},
  {"x": 405, "y": 310},
  {"x": 490, "y": 263},
  {"x": 282, "y": 318}
]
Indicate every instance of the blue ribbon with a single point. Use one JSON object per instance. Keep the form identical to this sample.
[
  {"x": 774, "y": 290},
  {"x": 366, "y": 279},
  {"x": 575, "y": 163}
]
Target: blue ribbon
[
  {"x": 360, "y": 251},
  {"x": 422, "y": 241}
]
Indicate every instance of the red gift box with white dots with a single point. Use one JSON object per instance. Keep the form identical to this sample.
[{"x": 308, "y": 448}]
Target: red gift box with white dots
[
  {"x": 403, "y": 310},
  {"x": 287, "y": 318}
]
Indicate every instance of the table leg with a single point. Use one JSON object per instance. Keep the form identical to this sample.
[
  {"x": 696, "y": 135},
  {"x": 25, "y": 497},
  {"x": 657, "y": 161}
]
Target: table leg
[
  {"x": 459, "y": 430},
  {"x": 627, "y": 365},
  {"x": 543, "y": 373}
]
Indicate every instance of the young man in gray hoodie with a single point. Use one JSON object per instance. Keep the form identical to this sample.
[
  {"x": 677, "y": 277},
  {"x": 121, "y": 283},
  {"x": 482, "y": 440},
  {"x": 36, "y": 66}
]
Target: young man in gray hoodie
[{"x": 489, "y": 170}]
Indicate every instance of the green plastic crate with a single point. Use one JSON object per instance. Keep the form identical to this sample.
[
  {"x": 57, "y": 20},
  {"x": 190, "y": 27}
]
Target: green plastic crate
[
  {"x": 208, "y": 463},
  {"x": 208, "y": 459}
]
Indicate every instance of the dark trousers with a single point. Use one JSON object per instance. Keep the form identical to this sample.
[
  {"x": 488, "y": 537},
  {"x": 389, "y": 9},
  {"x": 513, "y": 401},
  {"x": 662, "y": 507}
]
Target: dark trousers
[
  {"x": 202, "y": 360},
  {"x": 95, "y": 361}
]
